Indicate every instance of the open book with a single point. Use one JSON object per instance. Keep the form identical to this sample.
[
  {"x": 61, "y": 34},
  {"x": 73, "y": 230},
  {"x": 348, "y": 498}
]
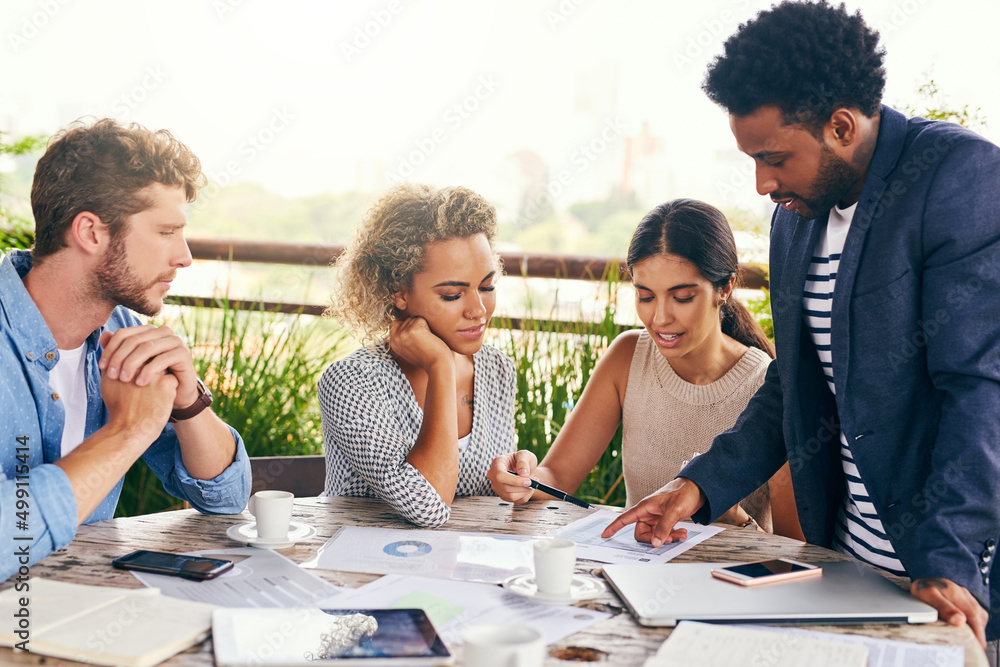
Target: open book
[{"x": 101, "y": 625}]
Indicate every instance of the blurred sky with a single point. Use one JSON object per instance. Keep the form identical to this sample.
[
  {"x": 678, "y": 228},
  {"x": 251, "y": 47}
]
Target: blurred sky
[{"x": 308, "y": 96}]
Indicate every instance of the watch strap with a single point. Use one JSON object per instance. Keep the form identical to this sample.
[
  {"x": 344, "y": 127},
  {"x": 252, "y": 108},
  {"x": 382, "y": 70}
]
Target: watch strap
[{"x": 203, "y": 401}]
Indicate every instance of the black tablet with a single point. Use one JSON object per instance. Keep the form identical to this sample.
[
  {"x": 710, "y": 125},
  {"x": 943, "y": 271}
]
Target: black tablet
[{"x": 310, "y": 637}]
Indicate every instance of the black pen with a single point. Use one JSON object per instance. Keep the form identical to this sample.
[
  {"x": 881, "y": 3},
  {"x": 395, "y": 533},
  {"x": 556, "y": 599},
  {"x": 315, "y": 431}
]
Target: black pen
[{"x": 553, "y": 491}]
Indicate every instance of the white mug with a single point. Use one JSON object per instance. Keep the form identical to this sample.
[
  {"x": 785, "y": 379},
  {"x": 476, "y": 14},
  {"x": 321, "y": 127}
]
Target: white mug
[
  {"x": 503, "y": 645},
  {"x": 554, "y": 562},
  {"x": 273, "y": 511}
]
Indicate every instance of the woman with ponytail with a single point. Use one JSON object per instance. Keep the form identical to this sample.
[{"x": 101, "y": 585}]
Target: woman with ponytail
[{"x": 673, "y": 385}]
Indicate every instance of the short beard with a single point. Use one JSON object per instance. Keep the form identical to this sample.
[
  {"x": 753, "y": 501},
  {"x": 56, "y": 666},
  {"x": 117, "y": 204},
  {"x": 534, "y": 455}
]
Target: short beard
[
  {"x": 118, "y": 284},
  {"x": 835, "y": 179}
]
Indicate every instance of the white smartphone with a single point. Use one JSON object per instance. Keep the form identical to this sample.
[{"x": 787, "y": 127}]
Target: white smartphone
[{"x": 766, "y": 572}]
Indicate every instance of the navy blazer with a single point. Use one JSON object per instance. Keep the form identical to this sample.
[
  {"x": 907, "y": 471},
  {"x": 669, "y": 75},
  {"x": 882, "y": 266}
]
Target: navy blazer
[{"x": 916, "y": 353}]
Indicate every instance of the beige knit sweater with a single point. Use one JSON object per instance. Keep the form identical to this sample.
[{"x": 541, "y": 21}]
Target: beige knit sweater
[{"x": 667, "y": 421}]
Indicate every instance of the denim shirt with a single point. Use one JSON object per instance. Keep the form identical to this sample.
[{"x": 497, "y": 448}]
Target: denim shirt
[{"x": 37, "y": 506}]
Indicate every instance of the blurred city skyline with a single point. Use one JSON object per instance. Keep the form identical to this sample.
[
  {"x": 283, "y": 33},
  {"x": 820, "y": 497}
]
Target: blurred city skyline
[{"x": 526, "y": 102}]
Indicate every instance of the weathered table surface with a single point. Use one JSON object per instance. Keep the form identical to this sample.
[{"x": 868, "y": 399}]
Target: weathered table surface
[{"x": 615, "y": 641}]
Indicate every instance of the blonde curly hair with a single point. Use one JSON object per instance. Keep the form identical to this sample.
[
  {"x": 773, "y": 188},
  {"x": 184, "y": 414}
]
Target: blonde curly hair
[{"x": 387, "y": 250}]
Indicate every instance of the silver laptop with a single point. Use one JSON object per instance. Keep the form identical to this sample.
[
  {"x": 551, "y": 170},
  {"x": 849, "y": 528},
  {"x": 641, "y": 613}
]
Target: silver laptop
[{"x": 851, "y": 592}]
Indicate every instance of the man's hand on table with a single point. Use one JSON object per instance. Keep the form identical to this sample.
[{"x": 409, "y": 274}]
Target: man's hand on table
[
  {"x": 954, "y": 603},
  {"x": 656, "y": 514}
]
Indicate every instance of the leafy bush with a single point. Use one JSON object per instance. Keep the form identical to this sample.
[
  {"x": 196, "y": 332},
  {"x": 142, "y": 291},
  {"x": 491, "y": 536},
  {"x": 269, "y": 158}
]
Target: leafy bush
[
  {"x": 761, "y": 310},
  {"x": 554, "y": 361},
  {"x": 262, "y": 369},
  {"x": 15, "y": 238}
]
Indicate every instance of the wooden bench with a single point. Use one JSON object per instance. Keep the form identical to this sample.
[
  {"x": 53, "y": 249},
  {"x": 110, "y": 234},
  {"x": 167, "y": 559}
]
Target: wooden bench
[{"x": 302, "y": 475}]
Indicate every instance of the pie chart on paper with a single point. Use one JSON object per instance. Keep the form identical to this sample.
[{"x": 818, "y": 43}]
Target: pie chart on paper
[{"x": 407, "y": 548}]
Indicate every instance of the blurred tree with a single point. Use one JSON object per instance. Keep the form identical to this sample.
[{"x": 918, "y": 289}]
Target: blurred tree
[
  {"x": 249, "y": 211},
  {"x": 593, "y": 214},
  {"x": 936, "y": 106}
]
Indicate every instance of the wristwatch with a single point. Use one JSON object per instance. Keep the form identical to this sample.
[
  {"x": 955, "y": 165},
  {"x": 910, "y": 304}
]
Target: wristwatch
[
  {"x": 750, "y": 523},
  {"x": 203, "y": 401}
]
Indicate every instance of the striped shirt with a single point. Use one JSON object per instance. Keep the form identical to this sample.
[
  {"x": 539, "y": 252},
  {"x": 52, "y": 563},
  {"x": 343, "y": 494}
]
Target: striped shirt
[{"x": 859, "y": 531}]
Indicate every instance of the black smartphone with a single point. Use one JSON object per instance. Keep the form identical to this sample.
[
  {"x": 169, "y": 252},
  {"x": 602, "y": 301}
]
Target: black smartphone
[{"x": 178, "y": 565}]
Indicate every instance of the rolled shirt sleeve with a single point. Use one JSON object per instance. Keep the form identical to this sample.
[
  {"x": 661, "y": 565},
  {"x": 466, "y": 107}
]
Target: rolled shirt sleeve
[
  {"x": 43, "y": 523},
  {"x": 226, "y": 493}
]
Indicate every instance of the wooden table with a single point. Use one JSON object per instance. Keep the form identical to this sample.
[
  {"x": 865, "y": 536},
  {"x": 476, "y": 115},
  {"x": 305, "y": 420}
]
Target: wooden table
[{"x": 615, "y": 641}]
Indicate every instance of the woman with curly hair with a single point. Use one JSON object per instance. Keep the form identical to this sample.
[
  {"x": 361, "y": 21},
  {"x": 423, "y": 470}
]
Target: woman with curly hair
[{"x": 416, "y": 416}]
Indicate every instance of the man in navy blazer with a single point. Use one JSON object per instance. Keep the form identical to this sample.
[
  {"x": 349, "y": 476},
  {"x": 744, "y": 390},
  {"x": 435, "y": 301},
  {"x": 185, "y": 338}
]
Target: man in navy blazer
[{"x": 885, "y": 278}]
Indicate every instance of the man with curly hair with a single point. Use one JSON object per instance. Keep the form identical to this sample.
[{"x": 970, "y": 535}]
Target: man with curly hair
[
  {"x": 87, "y": 388},
  {"x": 885, "y": 283}
]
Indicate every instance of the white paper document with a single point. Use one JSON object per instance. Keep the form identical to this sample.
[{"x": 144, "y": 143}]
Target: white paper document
[
  {"x": 708, "y": 645},
  {"x": 888, "y": 652},
  {"x": 455, "y": 605},
  {"x": 622, "y": 548},
  {"x": 444, "y": 554},
  {"x": 259, "y": 578}
]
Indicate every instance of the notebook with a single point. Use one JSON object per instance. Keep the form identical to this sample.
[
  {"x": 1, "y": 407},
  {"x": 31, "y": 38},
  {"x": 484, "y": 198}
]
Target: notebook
[
  {"x": 101, "y": 625},
  {"x": 848, "y": 592}
]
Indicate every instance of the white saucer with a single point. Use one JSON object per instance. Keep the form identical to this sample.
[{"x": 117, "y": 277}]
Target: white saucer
[
  {"x": 583, "y": 587},
  {"x": 247, "y": 534}
]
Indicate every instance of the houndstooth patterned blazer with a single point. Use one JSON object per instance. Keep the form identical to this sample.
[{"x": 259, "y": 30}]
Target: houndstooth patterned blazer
[{"x": 371, "y": 420}]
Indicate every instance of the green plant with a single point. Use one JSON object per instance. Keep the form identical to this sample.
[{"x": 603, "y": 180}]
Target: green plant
[
  {"x": 15, "y": 237},
  {"x": 936, "y": 106},
  {"x": 554, "y": 361},
  {"x": 262, "y": 369},
  {"x": 15, "y": 228},
  {"x": 761, "y": 310}
]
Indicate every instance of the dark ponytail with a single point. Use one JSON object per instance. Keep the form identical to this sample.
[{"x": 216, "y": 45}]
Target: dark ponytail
[
  {"x": 739, "y": 324},
  {"x": 700, "y": 234}
]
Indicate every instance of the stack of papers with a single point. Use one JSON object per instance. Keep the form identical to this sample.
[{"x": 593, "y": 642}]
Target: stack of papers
[
  {"x": 102, "y": 625},
  {"x": 705, "y": 645},
  {"x": 259, "y": 578},
  {"x": 708, "y": 645},
  {"x": 485, "y": 557},
  {"x": 453, "y": 606},
  {"x": 446, "y": 554},
  {"x": 622, "y": 547}
]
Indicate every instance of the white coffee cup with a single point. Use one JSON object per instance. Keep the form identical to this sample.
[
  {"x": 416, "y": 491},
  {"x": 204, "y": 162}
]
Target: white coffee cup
[
  {"x": 554, "y": 562},
  {"x": 273, "y": 511},
  {"x": 503, "y": 645}
]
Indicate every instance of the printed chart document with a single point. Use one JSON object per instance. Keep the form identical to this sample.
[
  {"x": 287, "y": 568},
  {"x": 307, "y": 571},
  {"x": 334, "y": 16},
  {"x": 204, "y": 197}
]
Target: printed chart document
[
  {"x": 709, "y": 645},
  {"x": 455, "y": 605},
  {"x": 485, "y": 557},
  {"x": 887, "y": 652},
  {"x": 102, "y": 625},
  {"x": 622, "y": 548},
  {"x": 259, "y": 578}
]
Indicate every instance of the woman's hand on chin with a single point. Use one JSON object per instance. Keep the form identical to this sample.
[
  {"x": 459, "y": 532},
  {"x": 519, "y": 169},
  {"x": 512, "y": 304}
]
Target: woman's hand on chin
[{"x": 413, "y": 341}]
